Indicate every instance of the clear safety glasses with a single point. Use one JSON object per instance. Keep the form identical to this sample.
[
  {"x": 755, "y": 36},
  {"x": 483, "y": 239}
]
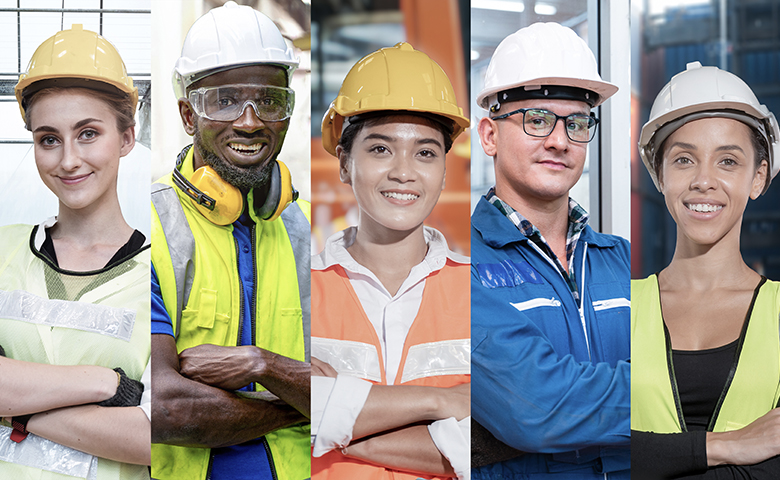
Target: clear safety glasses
[
  {"x": 226, "y": 103},
  {"x": 538, "y": 122}
]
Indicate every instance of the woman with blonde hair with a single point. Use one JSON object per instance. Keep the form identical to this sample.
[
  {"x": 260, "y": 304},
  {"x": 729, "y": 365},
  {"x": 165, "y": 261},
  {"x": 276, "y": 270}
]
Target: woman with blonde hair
[{"x": 74, "y": 290}]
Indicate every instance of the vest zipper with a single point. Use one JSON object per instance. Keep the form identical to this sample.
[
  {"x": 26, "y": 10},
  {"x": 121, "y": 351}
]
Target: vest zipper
[
  {"x": 733, "y": 369},
  {"x": 211, "y": 461},
  {"x": 672, "y": 377},
  {"x": 240, "y": 296},
  {"x": 270, "y": 459},
  {"x": 252, "y": 386}
]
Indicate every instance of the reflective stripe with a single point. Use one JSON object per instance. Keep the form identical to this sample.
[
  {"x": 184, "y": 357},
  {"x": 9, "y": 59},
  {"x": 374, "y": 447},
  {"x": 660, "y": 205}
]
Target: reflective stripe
[
  {"x": 447, "y": 357},
  {"x": 611, "y": 303},
  {"x": 299, "y": 231},
  {"x": 347, "y": 357},
  {"x": 181, "y": 243},
  {"x": 536, "y": 302},
  {"x": 26, "y": 307},
  {"x": 37, "y": 452}
]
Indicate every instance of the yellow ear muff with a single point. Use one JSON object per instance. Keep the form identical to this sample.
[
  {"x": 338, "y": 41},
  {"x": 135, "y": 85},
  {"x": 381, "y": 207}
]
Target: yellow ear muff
[
  {"x": 217, "y": 200},
  {"x": 280, "y": 193}
]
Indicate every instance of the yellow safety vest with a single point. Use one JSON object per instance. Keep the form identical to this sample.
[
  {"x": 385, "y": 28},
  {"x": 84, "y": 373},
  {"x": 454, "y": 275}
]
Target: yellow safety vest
[
  {"x": 752, "y": 390},
  {"x": 196, "y": 264},
  {"x": 50, "y": 316}
]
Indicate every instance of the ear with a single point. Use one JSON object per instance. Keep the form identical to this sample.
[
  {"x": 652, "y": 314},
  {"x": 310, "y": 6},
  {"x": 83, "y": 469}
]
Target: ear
[
  {"x": 187, "y": 116},
  {"x": 759, "y": 180},
  {"x": 488, "y": 130},
  {"x": 128, "y": 141},
  {"x": 343, "y": 165}
]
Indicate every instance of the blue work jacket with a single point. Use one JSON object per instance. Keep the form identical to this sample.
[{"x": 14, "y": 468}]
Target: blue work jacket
[{"x": 550, "y": 375}]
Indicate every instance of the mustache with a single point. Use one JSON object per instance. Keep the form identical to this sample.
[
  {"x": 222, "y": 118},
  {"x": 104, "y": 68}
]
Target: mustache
[{"x": 247, "y": 135}]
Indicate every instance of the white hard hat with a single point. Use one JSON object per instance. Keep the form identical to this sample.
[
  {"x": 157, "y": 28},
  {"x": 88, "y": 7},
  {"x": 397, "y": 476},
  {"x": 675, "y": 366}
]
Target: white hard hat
[
  {"x": 227, "y": 37},
  {"x": 539, "y": 56},
  {"x": 706, "y": 92}
]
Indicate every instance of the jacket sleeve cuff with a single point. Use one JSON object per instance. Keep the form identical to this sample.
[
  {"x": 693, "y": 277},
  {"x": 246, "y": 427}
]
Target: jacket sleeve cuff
[
  {"x": 344, "y": 402},
  {"x": 453, "y": 439}
]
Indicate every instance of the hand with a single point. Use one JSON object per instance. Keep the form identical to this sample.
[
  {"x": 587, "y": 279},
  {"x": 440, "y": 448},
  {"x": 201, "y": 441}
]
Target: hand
[
  {"x": 322, "y": 369},
  {"x": 228, "y": 368},
  {"x": 456, "y": 402},
  {"x": 752, "y": 444}
]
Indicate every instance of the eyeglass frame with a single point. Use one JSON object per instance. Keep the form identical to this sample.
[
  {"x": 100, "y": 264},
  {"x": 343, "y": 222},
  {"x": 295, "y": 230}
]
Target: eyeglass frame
[
  {"x": 196, "y": 105},
  {"x": 557, "y": 117}
]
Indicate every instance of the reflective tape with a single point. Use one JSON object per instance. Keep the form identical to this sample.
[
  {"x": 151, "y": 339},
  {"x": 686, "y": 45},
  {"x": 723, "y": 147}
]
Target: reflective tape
[
  {"x": 446, "y": 357},
  {"x": 348, "y": 358},
  {"x": 611, "y": 303},
  {"x": 43, "y": 454},
  {"x": 26, "y": 307},
  {"x": 299, "y": 232},
  {"x": 536, "y": 302}
]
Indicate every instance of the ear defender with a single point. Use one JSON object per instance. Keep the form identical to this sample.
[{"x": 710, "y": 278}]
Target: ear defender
[{"x": 222, "y": 203}]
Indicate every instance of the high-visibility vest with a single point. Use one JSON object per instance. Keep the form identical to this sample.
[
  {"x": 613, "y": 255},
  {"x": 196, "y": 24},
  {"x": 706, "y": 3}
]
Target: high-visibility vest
[
  {"x": 51, "y": 316},
  {"x": 196, "y": 264},
  {"x": 752, "y": 391},
  {"x": 436, "y": 352}
]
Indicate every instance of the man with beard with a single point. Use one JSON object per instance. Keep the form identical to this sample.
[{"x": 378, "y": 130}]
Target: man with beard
[{"x": 230, "y": 253}]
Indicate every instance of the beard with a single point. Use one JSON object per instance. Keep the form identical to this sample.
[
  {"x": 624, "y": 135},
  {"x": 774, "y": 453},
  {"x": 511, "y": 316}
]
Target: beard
[{"x": 243, "y": 178}]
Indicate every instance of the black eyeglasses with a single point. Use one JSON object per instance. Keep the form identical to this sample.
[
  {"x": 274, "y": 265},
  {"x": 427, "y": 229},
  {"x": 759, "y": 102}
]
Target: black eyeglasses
[{"x": 538, "y": 122}]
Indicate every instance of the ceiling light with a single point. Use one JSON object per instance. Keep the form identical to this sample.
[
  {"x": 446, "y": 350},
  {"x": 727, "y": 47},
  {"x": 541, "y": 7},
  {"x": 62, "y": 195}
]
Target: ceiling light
[
  {"x": 500, "y": 5},
  {"x": 545, "y": 9}
]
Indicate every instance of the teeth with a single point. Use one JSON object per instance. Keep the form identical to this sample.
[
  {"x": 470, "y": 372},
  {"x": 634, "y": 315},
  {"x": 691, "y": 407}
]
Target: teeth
[
  {"x": 703, "y": 207},
  {"x": 400, "y": 196},
  {"x": 246, "y": 149}
]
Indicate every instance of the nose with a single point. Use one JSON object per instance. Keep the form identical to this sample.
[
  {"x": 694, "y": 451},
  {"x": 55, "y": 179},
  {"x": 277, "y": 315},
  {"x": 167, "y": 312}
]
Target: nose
[
  {"x": 704, "y": 177},
  {"x": 71, "y": 157},
  {"x": 558, "y": 139},
  {"x": 402, "y": 168},
  {"x": 249, "y": 121}
]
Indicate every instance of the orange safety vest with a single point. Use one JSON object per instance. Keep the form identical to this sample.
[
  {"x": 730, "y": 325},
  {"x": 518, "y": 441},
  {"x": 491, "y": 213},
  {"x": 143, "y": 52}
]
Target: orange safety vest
[{"x": 432, "y": 354}]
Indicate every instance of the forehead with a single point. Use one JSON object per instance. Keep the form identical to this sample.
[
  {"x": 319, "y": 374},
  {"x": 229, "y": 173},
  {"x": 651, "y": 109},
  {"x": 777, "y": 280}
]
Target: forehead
[
  {"x": 712, "y": 132},
  {"x": 411, "y": 125},
  {"x": 560, "y": 107},
  {"x": 68, "y": 105},
  {"x": 251, "y": 74}
]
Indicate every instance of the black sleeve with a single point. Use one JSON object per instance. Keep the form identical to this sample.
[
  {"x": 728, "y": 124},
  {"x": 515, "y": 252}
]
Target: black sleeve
[{"x": 657, "y": 456}]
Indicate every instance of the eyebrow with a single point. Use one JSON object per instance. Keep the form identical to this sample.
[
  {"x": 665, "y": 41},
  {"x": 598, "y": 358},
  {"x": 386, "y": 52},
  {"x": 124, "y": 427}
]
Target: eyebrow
[
  {"x": 729, "y": 147},
  {"x": 79, "y": 124},
  {"x": 422, "y": 141},
  {"x": 686, "y": 146}
]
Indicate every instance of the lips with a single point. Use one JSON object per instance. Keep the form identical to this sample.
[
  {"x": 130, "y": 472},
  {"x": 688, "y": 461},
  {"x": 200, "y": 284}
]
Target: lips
[
  {"x": 248, "y": 150},
  {"x": 703, "y": 207},
  {"x": 75, "y": 179}
]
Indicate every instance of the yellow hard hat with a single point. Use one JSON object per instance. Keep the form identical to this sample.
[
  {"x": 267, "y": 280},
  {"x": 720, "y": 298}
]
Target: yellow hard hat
[
  {"x": 394, "y": 78},
  {"x": 75, "y": 57}
]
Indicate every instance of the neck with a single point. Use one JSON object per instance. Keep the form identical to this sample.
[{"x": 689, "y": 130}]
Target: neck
[
  {"x": 698, "y": 267},
  {"x": 101, "y": 223},
  {"x": 551, "y": 217},
  {"x": 389, "y": 254}
]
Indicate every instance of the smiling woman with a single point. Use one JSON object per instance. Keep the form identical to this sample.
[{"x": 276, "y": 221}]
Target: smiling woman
[
  {"x": 74, "y": 290},
  {"x": 704, "y": 330},
  {"x": 390, "y": 302}
]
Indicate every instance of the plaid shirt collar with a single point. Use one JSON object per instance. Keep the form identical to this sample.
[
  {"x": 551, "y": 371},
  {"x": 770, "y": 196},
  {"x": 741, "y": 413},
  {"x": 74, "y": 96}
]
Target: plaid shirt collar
[{"x": 578, "y": 219}]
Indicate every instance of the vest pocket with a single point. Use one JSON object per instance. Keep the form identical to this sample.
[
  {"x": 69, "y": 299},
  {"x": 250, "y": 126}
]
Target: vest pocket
[{"x": 204, "y": 324}]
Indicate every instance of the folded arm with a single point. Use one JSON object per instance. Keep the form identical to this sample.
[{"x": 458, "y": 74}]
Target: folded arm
[
  {"x": 232, "y": 368},
  {"x": 190, "y": 413},
  {"x": 27, "y": 387},
  {"x": 117, "y": 433}
]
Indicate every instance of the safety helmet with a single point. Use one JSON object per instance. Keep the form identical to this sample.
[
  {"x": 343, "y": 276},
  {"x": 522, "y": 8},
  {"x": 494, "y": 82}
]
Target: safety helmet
[
  {"x": 543, "y": 54},
  {"x": 706, "y": 92},
  {"x": 75, "y": 57},
  {"x": 397, "y": 78},
  {"x": 228, "y": 37}
]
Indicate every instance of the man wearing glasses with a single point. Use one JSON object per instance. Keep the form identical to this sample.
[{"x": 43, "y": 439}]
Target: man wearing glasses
[
  {"x": 550, "y": 296},
  {"x": 230, "y": 254}
]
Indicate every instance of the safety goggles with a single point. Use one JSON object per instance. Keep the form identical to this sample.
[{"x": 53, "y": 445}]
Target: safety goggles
[
  {"x": 226, "y": 103},
  {"x": 538, "y": 122}
]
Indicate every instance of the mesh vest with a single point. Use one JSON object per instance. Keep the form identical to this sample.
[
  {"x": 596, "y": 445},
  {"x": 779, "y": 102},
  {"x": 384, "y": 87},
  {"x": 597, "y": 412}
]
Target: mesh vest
[
  {"x": 436, "y": 352},
  {"x": 51, "y": 316},
  {"x": 752, "y": 391},
  {"x": 196, "y": 263}
]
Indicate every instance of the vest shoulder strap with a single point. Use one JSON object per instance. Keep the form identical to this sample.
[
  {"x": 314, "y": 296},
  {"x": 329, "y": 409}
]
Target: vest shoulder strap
[{"x": 180, "y": 241}]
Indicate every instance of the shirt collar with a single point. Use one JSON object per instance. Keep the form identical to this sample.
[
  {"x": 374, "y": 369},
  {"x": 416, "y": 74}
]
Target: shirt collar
[{"x": 578, "y": 217}]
